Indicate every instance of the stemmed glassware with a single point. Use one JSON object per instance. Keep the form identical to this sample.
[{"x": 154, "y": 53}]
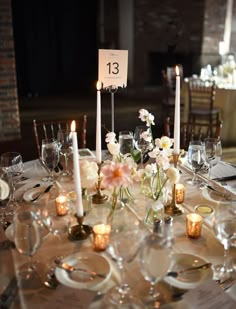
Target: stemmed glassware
[
  {"x": 27, "y": 238},
  {"x": 213, "y": 150},
  {"x": 64, "y": 139},
  {"x": 12, "y": 165},
  {"x": 154, "y": 248},
  {"x": 142, "y": 140},
  {"x": 124, "y": 245},
  {"x": 196, "y": 158},
  {"x": 224, "y": 226},
  {"x": 50, "y": 156}
]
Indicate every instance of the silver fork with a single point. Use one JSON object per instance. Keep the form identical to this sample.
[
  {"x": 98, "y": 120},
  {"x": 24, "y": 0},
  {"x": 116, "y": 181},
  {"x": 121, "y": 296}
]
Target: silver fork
[{"x": 226, "y": 284}]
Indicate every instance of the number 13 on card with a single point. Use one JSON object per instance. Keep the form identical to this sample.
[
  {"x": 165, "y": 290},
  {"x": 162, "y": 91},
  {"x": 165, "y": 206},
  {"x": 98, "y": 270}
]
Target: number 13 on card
[{"x": 113, "y": 67}]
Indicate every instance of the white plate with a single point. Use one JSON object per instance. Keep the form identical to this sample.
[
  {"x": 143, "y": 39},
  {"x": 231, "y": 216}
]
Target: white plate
[
  {"x": 4, "y": 189},
  {"x": 191, "y": 279},
  {"x": 9, "y": 232},
  {"x": 213, "y": 197},
  {"x": 89, "y": 261}
]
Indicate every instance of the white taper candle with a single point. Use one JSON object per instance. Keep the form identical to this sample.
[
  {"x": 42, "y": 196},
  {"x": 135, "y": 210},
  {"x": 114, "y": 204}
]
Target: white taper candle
[
  {"x": 77, "y": 180},
  {"x": 177, "y": 114},
  {"x": 98, "y": 125}
]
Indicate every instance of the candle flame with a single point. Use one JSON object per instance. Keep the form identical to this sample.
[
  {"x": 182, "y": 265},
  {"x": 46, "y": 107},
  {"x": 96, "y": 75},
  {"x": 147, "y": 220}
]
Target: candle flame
[
  {"x": 177, "y": 70},
  {"x": 72, "y": 127},
  {"x": 99, "y": 85}
]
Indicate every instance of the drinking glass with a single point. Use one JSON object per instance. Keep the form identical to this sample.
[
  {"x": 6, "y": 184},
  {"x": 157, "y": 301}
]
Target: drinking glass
[
  {"x": 224, "y": 226},
  {"x": 27, "y": 238},
  {"x": 213, "y": 150},
  {"x": 64, "y": 139},
  {"x": 124, "y": 245},
  {"x": 141, "y": 142},
  {"x": 12, "y": 165},
  {"x": 126, "y": 141},
  {"x": 196, "y": 158},
  {"x": 154, "y": 263},
  {"x": 50, "y": 156}
]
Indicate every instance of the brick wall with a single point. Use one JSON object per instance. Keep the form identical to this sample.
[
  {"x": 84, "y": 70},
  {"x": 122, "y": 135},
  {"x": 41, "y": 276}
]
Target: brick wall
[{"x": 9, "y": 109}]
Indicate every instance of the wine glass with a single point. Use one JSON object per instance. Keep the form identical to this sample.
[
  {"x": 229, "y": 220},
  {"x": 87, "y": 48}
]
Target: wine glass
[
  {"x": 50, "y": 156},
  {"x": 64, "y": 139},
  {"x": 196, "y": 158},
  {"x": 142, "y": 140},
  {"x": 27, "y": 238},
  {"x": 154, "y": 263},
  {"x": 213, "y": 151},
  {"x": 126, "y": 141},
  {"x": 123, "y": 245},
  {"x": 12, "y": 165},
  {"x": 224, "y": 226}
]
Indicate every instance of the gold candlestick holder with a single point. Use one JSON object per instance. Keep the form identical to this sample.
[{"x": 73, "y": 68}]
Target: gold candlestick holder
[
  {"x": 99, "y": 197},
  {"x": 173, "y": 209},
  {"x": 79, "y": 231}
]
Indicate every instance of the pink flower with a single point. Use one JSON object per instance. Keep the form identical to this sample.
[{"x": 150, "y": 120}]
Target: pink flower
[{"x": 116, "y": 175}]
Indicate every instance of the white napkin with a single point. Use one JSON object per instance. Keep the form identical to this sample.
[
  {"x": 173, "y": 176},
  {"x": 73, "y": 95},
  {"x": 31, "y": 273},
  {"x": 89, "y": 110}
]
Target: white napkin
[{"x": 4, "y": 189}]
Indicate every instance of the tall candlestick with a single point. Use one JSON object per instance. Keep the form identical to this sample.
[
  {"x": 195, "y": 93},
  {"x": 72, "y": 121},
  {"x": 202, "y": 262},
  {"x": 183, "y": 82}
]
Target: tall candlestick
[
  {"x": 177, "y": 114},
  {"x": 79, "y": 201},
  {"x": 98, "y": 125}
]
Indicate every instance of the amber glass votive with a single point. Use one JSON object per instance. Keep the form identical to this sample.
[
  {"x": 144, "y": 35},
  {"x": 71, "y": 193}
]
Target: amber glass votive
[
  {"x": 179, "y": 193},
  {"x": 193, "y": 225},
  {"x": 101, "y": 236},
  {"x": 61, "y": 205}
]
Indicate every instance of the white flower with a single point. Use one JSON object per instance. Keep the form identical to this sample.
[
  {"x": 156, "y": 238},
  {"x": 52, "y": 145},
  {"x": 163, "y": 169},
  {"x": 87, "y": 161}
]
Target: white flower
[
  {"x": 146, "y": 136},
  {"x": 114, "y": 148},
  {"x": 163, "y": 161},
  {"x": 173, "y": 175},
  {"x": 154, "y": 153},
  {"x": 110, "y": 137},
  {"x": 150, "y": 169},
  {"x": 144, "y": 115},
  {"x": 88, "y": 171},
  {"x": 164, "y": 142}
]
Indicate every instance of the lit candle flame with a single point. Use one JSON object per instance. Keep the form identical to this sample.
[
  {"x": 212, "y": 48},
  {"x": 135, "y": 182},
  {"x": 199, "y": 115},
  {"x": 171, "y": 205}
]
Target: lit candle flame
[
  {"x": 72, "y": 127},
  {"x": 99, "y": 85},
  {"x": 177, "y": 70}
]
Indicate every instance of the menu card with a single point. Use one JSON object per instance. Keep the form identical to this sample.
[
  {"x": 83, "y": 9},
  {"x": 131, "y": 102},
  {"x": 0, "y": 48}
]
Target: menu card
[{"x": 209, "y": 295}]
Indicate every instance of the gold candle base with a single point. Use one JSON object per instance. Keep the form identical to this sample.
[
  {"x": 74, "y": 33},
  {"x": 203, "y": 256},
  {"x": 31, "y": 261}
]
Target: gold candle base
[
  {"x": 80, "y": 231},
  {"x": 99, "y": 197},
  {"x": 173, "y": 209}
]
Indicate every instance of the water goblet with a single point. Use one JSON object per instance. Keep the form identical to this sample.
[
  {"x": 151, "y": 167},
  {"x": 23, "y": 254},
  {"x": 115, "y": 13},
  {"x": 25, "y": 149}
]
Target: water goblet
[
  {"x": 154, "y": 248},
  {"x": 12, "y": 165},
  {"x": 213, "y": 150},
  {"x": 196, "y": 158},
  {"x": 224, "y": 226},
  {"x": 142, "y": 140},
  {"x": 50, "y": 156},
  {"x": 64, "y": 139},
  {"x": 126, "y": 141},
  {"x": 123, "y": 245},
  {"x": 27, "y": 238}
]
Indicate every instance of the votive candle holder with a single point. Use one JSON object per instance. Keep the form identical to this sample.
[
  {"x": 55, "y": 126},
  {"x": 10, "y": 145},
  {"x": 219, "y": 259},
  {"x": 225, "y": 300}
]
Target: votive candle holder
[
  {"x": 193, "y": 225},
  {"x": 101, "y": 236},
  {"x": 61, "y": 205}
]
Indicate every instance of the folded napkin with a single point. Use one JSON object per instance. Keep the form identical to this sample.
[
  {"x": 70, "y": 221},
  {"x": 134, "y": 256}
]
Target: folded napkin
[
  {"x": 4, "y": 190},
  {"x": 223, "y": 171}
]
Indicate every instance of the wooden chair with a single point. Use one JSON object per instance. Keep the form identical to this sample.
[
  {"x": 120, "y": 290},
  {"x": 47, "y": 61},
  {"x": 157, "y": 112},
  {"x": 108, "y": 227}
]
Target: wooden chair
[
  {"x": 168, "y": 89},
  {"x": 201, "y": 97},
  {"x": 49, "y": 129},
  {"x": 193, "y": 131}
]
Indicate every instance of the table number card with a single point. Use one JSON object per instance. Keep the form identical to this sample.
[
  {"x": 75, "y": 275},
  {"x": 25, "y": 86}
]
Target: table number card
[{"x": 113, "y": 67}]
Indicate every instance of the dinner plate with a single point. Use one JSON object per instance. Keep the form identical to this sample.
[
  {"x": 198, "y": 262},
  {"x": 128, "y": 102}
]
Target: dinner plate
[
  {"x": 90, "y": 261},
  {"x": 190, "y": 279},
  {"x": 211, "y": 196},
  {"x": 4, "y": 189}
]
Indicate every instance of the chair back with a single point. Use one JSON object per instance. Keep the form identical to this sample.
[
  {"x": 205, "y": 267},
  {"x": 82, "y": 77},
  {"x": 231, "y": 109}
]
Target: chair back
[
  {"x": 201, "y": 94},
  {"x": 49, "y": 129},
  {"x": 193, "y": 131}
]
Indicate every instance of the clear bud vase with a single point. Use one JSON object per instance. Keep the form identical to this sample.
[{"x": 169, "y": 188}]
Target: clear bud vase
[{"x": 154, "y": 211}]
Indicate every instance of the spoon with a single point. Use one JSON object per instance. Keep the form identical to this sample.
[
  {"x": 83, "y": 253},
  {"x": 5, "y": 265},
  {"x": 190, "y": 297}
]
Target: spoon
[
  {"x": 71, "y": 269},
  {"x": 175, "y": 274}
]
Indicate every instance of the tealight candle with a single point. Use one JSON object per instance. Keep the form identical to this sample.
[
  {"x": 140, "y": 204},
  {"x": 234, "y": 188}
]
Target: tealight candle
[
  {"x": 61, "y": 205},
  {"x": 193, "y": 225},
  {"x": 179, "y": 193},
  {"x": 101, "y": 235}
]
